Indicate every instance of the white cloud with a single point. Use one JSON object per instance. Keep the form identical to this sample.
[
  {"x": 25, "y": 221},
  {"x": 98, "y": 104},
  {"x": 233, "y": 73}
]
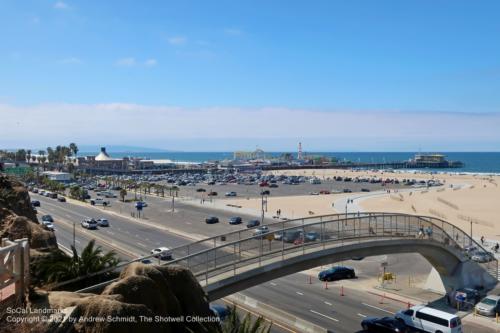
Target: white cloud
[
  {"x": 177, "y": 40},
  {"x": 151, "y": 62},
  {"x": 126, "y": 62},
  {"x": 233, "y": 31},
  {"x": 61, "y": 5},
  {"x": 71, "y": 61},
  {"x": 320, "y": 130}
]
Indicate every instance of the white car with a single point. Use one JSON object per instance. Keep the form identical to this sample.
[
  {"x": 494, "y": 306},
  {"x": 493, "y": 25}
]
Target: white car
[
  {"x": 89, "y": 224},
  {"x": 99, "y": 201},
  {"x": 163, "y": 253},
  {"x": 48, "y": 225},
  {"x": 428, "y": 319}
]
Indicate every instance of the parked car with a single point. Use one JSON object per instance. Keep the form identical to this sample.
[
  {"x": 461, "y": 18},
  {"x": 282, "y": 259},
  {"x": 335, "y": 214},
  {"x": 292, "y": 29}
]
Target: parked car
[
  {"x": 278, "y": 235},
  {"x": 61, "y": 199},
  {"x": 482, "y": 256},
  {"x": 273, "y": 185},
  {"x": 383, "y": 325},
  {"x": 324, "y": 192},
  {"x": 427, "y": 319},
  {"x": 466, "y": 297},
  {"x": 346, "y": 190},
  {"x": 212, "y": 194},
  {"x": 253, "y": 223},
  {"x": 265, "y": 192},
  {"x": 230, "y": 194},
  {"x": 47, "y": 218},
  {"x": 314, "y": 193},
  {"x": 102, "y": 222},
  {"x": 35, "y": 203},
  {"x": 337, "y": 273},
  {"x": 163, "y": 253},
  {"x": 264, "y": 184},
  {"x": 489, "y": 306},
  {"x": 365, "y": 190},
  {"x": 312, "y": 236},
  {"x": 212, "y": 220},
  {"x": 89, "y": 223},
  {"x": 260, "y": 231},
  {"x": 290, "y": 236},
  {"x": 235, "y": 220}
]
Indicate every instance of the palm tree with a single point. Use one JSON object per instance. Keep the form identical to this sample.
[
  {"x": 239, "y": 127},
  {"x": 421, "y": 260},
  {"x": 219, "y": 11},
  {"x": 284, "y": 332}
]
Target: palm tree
[
  {"x": 58, "y": 266},
  {"x": 233, "y": 324},
  {"x": 74, "y": 148},
  {"x": 123, "y": 194}
]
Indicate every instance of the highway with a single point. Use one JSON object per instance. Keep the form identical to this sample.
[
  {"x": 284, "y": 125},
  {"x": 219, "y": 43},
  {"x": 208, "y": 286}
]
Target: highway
[{"x": 293, "y": 294}]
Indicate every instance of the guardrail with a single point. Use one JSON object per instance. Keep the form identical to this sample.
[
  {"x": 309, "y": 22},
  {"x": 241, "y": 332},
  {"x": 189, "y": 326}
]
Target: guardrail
[{"x": 240, "y": 250}]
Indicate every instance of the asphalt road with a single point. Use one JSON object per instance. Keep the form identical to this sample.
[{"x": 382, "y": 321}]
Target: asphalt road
[{"x": 293, "y": 294}]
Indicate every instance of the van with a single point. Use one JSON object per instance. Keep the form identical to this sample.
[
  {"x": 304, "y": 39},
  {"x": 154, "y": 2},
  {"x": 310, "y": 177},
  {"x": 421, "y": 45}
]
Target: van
[{"x": 427, "y": 319}]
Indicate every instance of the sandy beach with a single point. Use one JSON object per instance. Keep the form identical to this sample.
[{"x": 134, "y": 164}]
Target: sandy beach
[{"x": 462, "y": 198}]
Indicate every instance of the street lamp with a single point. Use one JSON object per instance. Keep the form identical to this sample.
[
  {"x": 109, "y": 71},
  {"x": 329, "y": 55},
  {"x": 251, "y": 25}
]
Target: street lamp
[{"x": 74, "y": 234}]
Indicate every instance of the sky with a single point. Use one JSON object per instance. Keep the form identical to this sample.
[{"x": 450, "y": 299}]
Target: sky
[{"x": 225, "y": 75}]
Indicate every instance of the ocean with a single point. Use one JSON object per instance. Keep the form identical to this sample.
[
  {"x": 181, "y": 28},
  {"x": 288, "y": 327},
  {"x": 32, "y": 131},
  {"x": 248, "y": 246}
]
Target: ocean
[{"x": 484, "y": 162}]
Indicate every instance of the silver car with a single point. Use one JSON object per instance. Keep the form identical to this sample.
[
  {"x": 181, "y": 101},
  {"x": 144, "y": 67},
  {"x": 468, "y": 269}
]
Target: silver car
[{"x": 489, "y": 306}]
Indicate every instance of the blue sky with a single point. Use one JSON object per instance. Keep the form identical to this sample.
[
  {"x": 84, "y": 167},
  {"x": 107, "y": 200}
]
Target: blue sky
[{"x": 366, "y": 57}]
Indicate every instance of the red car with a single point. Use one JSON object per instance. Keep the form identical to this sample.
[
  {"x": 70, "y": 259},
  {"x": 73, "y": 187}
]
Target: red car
[
  {"x": 264, "y": 184},
  {"x": 324, "y": 192}
]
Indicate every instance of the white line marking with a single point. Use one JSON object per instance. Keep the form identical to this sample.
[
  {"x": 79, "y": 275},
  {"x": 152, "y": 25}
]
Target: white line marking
[
  {"x": 328, "y": 303},
  {"x": 273, "y": 284},
  {"x": 76, "y": 240},
  {"x": 299, "y": 293},
  {"x": 67, "y": 215},
  {"x": 376, "y": 307},
  {"x": 140, "y": 244},
  {"x": 320, "y": 314},
  {"x": 361, "y": 315}
]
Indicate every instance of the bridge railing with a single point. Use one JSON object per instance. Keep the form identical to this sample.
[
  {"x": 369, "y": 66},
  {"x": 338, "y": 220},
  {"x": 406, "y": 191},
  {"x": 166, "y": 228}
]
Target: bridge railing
[
  {"x": 285, "y": 241},
  {"x": 241, "y": 249}
]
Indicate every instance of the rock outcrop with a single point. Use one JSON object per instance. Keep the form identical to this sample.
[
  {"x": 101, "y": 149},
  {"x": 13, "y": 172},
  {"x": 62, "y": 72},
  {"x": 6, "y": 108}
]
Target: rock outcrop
[
  {"x": 18, "y": 219},
  {"x": 163, "y": 294}
]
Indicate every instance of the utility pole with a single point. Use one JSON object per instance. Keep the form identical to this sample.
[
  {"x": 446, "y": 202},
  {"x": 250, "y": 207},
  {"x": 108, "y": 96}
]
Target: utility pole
[
  {"x": 74, "y": 234},
  {"x": 173, "y": 203},
  {"x": 262, "y": 209}
]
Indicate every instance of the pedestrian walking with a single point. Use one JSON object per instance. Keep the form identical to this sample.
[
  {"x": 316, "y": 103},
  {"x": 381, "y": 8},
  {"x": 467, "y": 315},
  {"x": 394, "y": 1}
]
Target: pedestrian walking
[{"x": 482, "y": 240}]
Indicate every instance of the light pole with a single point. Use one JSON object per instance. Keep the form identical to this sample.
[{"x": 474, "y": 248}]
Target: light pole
[{"x": 74, "y": 234}]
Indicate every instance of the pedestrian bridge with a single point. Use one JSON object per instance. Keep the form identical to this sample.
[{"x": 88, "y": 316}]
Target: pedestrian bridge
[{"x": 235, "y": 261}]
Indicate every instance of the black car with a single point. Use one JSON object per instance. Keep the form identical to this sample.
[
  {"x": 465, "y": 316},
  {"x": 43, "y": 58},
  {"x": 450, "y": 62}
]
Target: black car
[
  {"x": 35, "y": 203},
  {"x": 365, "y": 190},
  {"x": 291, "y": 236},
  {"x": 382, "y": 325},
  {"x": 265, "y": 192},
  {"x": 61, "y": 199},
  {"x": 337, "y": 273},
  {"x": 235, "y": 220},
  {"x": 253, "y": 223},
  {"x": 212, "y": 220}
]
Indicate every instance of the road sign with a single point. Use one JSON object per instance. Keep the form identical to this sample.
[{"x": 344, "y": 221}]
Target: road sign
[{"x": 269, "y": 237}]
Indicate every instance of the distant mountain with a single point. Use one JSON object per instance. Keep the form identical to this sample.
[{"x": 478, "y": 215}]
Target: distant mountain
[{"x": 121, "y": 149}]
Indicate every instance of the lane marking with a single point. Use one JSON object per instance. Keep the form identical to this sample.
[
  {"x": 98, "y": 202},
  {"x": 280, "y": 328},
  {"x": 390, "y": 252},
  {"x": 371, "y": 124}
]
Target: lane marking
[
  {"x": 361, "y": 315},
  {"x": 376, "y": 307},
  {"x": 140, "y": 244},
  {"x": 273, "y": 284},
  {"x": 299, "y": 293},
  {"x": 328, "y": 303},
  {"x": 323, "y": 315}
]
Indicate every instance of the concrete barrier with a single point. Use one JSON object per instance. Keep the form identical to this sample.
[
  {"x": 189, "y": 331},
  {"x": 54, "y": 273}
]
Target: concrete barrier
[{"x": 274, "y": 314}]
